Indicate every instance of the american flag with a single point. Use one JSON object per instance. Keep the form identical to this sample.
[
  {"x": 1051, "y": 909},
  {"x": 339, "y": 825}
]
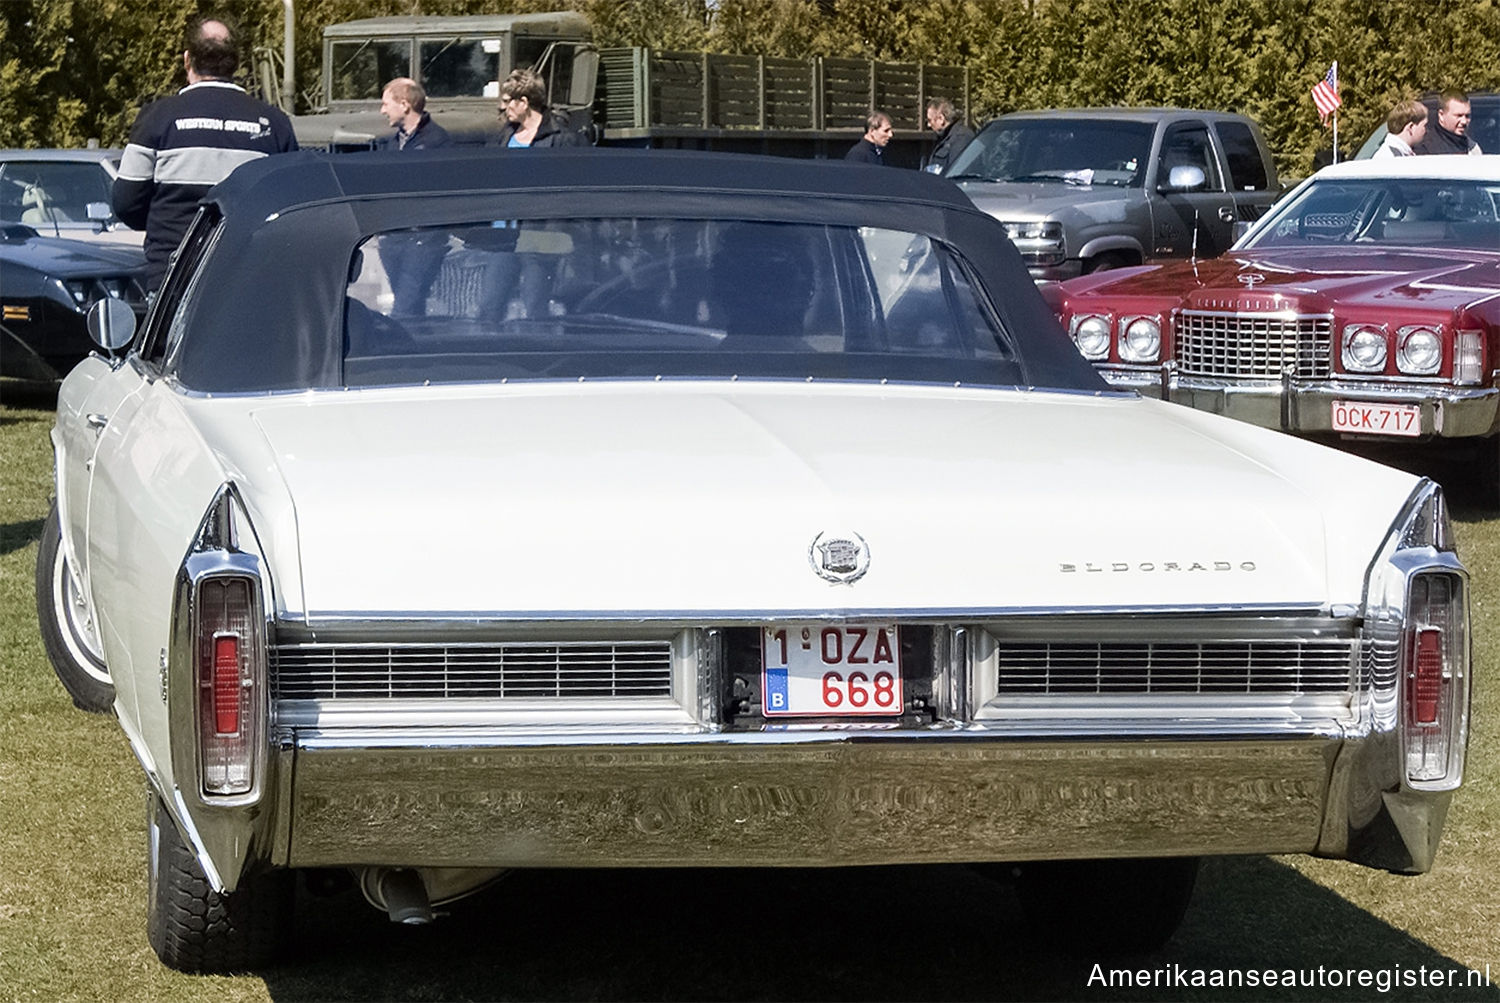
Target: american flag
[{"x": 1325, "y": 93}]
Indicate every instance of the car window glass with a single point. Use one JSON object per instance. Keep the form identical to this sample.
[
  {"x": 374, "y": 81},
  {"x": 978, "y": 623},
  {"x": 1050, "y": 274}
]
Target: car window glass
[
  {"x": 611, "y": 297},
  {"x": 39, "y": 192},
  {"x": 1188, "y": 146},
  {"x": 163, "y": 328},
  {"x": 1247, "y": 171},
  {"x": 1065, "y": 151},
  {"x": 362, "y": 67},
  {"x": 1414, "y": 212}
]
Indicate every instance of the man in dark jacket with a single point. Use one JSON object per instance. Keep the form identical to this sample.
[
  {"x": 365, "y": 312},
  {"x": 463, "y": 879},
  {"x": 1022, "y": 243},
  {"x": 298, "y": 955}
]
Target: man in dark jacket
[
  {"x": 529, "y": 121},
  {"x": 183, "y": 145},
  {"x": 952, "y": 134},
  {"x": 403, "y": 102},
  {"x": 411, "y": 260},
  {"x": 1448, "y": 132},
  {"x": 871, "y": 149}
]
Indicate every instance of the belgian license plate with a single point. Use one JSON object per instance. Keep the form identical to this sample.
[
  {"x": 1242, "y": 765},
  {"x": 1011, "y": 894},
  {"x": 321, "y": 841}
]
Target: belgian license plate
[
  {"x": 1377, "y": 419},
  {"x": 815, "y": 669}
]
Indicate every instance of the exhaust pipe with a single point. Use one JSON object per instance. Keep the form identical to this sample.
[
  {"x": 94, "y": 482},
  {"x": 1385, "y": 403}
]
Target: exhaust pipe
[{"x": 400, "y": 891}]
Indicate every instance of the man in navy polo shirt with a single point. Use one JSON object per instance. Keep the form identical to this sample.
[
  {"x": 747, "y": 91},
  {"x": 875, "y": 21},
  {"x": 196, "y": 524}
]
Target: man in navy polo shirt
[{"x": 183, "y": 145}]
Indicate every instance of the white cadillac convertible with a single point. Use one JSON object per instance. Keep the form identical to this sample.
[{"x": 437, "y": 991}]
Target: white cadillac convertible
[{"x": 454, "y": 512}]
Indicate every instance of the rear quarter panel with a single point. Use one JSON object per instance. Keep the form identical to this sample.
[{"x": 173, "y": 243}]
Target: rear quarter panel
[{"x": 153, "y": 480}]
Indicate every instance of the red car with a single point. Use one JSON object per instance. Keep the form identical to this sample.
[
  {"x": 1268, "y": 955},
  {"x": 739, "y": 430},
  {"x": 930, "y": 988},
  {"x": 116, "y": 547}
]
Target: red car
[{"x": 1364, "y": 306}]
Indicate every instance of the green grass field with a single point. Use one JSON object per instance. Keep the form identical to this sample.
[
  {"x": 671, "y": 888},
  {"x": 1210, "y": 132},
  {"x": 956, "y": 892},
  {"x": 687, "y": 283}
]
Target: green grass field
[{"x": 72, "y": 883}]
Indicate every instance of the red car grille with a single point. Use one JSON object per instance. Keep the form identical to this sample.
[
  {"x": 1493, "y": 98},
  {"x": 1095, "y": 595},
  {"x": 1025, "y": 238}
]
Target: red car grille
[{"x": 1253, "y": 345}]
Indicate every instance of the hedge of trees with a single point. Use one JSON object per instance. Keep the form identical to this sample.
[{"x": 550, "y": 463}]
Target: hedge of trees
[{"x": 75, "y": 70}]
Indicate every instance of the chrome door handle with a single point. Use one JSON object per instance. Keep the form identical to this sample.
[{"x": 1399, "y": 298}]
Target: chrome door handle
[
  {"x": 1226, "y": 214},
  {"x": 96, "y": 421}
]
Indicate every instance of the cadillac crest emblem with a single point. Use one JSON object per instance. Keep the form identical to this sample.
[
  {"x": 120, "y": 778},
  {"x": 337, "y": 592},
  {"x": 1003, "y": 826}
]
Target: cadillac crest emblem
[{"x": 839, "y": 556}]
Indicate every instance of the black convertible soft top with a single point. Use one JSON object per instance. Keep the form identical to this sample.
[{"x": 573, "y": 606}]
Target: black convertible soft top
[{"x": 269, "y": 306}]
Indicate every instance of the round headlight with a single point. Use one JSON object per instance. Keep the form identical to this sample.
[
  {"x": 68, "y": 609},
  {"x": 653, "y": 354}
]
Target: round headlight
[
  {"x": 1091, "y": 335},
  {"x": 1142, "y": 340},
  {"x": 1421, "y": 351},
  {"x": 1364, "y": 348}
]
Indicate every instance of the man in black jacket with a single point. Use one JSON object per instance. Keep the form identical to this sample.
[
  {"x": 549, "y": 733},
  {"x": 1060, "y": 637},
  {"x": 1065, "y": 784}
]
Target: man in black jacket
[
  {"x": 1448, "y": 132},
  {"x": 183, "y": 145},
  {"x": 403, "y": 102},
  {"x": 411, "y": 260},
  {"x": 871, "y": 148},
  {"x": 952, "y": 135}
]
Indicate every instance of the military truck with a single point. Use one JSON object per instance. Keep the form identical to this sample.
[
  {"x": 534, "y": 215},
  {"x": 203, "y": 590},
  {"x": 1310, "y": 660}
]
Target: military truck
[{"x": 630, "y": 96}]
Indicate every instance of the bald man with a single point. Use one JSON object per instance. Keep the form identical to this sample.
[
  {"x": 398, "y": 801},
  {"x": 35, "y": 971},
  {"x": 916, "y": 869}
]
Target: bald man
[{"x": 183, "y": 145}]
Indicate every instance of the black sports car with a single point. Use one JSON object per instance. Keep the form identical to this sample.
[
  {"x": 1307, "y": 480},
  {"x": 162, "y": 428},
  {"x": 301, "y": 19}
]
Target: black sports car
[{"x": 47, "y": 285}]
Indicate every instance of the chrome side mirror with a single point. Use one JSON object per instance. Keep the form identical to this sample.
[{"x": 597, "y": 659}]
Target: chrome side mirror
[
  {"x": 100, "y": 212},
  {"x": 111, "y": 323}
]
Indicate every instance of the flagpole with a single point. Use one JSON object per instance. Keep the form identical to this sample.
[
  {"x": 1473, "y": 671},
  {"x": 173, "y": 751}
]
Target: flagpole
[{"x": 1336, "y": 89}]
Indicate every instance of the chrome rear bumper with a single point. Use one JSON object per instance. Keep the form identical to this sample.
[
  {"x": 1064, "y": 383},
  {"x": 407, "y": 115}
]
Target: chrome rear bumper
[{"x": 821, "y": 799}]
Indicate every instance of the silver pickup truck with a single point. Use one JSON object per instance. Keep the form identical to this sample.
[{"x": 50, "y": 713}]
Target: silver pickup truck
[{"x": 1088, "y": 189}]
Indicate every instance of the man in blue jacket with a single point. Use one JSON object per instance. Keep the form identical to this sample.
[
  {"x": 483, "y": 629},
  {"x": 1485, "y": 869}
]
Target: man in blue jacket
[
  {"x": 183, "y": 145},
  {"x": 411, "y": 260},
  {"x": 404, "y": 105}
]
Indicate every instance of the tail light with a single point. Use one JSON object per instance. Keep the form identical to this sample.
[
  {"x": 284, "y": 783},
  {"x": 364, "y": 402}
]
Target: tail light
[
  {"x": 1435, "y": 684},
  {"x": 229, "y": 679}
]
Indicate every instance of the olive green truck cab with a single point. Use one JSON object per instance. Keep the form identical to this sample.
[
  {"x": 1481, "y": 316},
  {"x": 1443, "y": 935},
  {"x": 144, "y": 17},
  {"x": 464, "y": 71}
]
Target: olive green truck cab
[{"x": 627, "y": 96}]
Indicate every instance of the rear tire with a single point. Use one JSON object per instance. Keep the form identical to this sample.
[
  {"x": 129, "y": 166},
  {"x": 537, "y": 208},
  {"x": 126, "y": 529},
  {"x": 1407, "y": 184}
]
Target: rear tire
[
  {"x": 1104, "y": 907},
  {"x": 193, "y": 928},
  {"x": 67, "y": 625}
]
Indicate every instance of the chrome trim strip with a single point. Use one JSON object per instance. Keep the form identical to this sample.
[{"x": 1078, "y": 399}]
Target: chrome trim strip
[
  {"x": 1102, "y": 728},
  {"x": 468, "y": 622},
  {"x": 185, "y": 391}
]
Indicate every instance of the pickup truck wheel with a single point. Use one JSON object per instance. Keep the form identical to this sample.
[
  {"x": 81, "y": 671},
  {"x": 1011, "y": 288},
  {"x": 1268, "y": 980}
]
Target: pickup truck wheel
[
  {"x": 1108, "y": 261},
  {"x": 193, "y": 928},
  {"x": 67, "y": 626},
  {"x": 1106, "y": 906}
]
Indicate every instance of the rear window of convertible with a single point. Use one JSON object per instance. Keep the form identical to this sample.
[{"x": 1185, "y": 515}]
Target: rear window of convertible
[{"x": 562, "y": 299}]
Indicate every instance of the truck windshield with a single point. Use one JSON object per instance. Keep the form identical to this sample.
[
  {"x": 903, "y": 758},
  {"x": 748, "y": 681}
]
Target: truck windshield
[
  {"x": 563, "y": 299},
  {"x": 361, "y": 68},
  {"x": 1407, "y": 212},
  {"x": 460, "y": 67},
  {"x": 1068, "y": 151}
]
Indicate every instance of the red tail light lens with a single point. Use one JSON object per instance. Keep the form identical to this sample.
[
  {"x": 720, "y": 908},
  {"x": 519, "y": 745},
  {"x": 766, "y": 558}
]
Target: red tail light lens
[
  {"x": 1424, "y": 683},
  {"x": 230, "y": 674},
  {"x": 226, "y": 684}
]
